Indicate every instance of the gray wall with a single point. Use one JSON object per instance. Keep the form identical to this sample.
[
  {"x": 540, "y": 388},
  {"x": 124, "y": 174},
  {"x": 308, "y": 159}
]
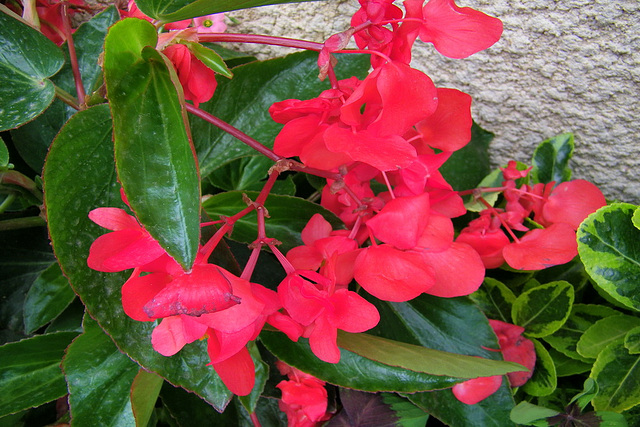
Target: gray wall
[{"x": 561, "y": 66}]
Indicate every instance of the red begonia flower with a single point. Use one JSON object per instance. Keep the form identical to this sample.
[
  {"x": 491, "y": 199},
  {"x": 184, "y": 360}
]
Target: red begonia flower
[
  {"x": 488, "y": 244},
  {"x": 474, "y": 390},
  {"x": 402, "y": 221},
  {"x": 393, "y": 275},
  {"x": 437, "y": 235},
  {"x": 237, "y": 372},
  {"x": 542, "y": 248},
  {"x": 175, "y": 332},
  {"x": 198, "y": 81},
  {"x": 515, "y": 348},
  {"x": 458, "y": 32},
  {"x": 572, "y": 202},
  {"x": 458, "y": 271},
  {"x": 304, "y": 401},
  {"x": 128, "y": 246}
]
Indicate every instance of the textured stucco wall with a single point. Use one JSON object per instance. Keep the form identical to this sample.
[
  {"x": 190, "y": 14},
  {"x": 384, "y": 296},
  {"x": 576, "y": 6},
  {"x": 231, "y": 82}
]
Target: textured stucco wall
[{"x": 561, "y": 66}]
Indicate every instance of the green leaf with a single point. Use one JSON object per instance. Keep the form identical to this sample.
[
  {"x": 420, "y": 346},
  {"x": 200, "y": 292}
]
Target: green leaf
[
  {"x": 288, "y": 216},
  {"x": 244, "y": 102},
  {"x": 495, "y": 299},
  {"x": 493, "y": 179},
  {"x": 618, "y": 376},
  {"x": 24, "y": 254},
  {"x": 409, "y": 415},
  {"x": 4, "y": 155},
  {"x": 566, "y": 366},
  {"x": 632, "y": 341},
  {"x": 34, "y": 138},
  {"x": 581, "y": 318},
  {"x": 177, "y": 10},
  {"x": 49, "y": 295},
  {"x": 242, "y": 173},
  {"x": 99, "y": 377},
  {"x": 349, "y": 371},
  {"x": 154, "y": 158},
  {"x": 210, "y": 58},
  {"x": 27, "y": 60},
  {"x": 79, "y": 176},
  {"x": 189, "y": 410},
  {"x": 528, "y": 414},
  {"x": 421, "y": 359},
  {"x": 551, "y": 159},
  {"x": 262, "y": 374},
  {"x": 543, "y": 309},
  {"x": 604, "y": 332},
  {"x": 590, "y": 390},
  {"x": 609, "y": 247},
  {"x": 544, "y": 380},
  {"x": 636, "y": 218},
  {"x": 364, "y": 409},
  {"x": 145, "y": 390},
  {"x": 469, "y": 165},
  {"x": 30, "y": 371}
]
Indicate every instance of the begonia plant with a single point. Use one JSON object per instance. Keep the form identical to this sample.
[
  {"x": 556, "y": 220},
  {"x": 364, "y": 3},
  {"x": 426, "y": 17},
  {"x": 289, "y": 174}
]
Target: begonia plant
[{"x": 191, "y": 236}]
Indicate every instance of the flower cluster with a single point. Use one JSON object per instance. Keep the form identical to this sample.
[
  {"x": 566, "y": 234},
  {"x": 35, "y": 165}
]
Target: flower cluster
[{"x": 304, "y": 398}]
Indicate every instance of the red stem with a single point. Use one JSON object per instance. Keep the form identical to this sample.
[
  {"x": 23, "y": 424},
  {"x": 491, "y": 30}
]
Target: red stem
[
  {"x": 260, "y": 39},
  {"x": 73, "y": 57}
]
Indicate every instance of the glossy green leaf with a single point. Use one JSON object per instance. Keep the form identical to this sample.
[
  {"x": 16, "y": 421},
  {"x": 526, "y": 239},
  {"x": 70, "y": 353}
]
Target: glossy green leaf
[
  {"x": 188, "y": 409},
  {"x": 409, "y": 415},
  {"x": 30, "y": 371},
  {"x": 99, "y": 377},
  {"x": 421, "y": 359},
  {"x": 528, "y": 414},
  {"x": 468, "y": 166},
  {"x": 551, "y": 159},
  {"x": 635, "y": 219},
  {"x": 348, "y": 372},
  {"x": 566, "y": 366},
  {"x": 604, "y": 332},
  {"x": 581, "y": 318},
  {"x": 34, "y": 138},
  {"x": 80, "y": 176},
  {"x": 288, "y": 216},
  {"x": 241, "y": 174},
  {"x": 244, "y": 102},
  {"x": 590, "y": 390},
  {"x": 49, "y": 295},
  {"x": 210, "y": 58},
  {"x": 24, "y": 254},
  {"x": 177, "y": 10},
  {"x": 544, "y": 379},
  {"x": 494, "y": 179},
  {"x": 4, "y": 155},
  {"x": 609, "y": 247},
  {"x": 145, "y": 390},
  {"x": 495, "y": 299},
  {"x": 154, "y": 158},
  {"x": 27, "y": 60},
  {"x": 543, "y": 309},
  {"x": 632, "y": 341},
  {"x": 618, "y": 376}
]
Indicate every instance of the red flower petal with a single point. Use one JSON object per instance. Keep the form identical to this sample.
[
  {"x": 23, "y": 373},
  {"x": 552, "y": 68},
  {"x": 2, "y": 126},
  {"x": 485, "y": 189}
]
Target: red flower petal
[
  {"x": 113, "y": 219},
  {"x": 175, "y": 332},
  {"x": 458, "y": 271},
  {"x": 572, "y": 202},
  {"x": 402, "y": 221},
  {"x": 323, "y": 341},
  {"x": 542, "y": 248},
  {"x": 449, "y": 127},
  {"x": 352, "y": 313},
  {"x": 488, "y": 244},
  {"x": 477, "y": 389},
  {"x": 237, "y": 372},
  {"x": 139, "y": 290},
  {"x": 122, "y": 250}
]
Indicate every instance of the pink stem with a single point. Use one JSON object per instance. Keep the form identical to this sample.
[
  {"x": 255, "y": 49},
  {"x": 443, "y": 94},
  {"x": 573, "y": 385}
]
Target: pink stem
[
  {"x": 73, "y": 57},
  {"x": 260, "y": 39}
]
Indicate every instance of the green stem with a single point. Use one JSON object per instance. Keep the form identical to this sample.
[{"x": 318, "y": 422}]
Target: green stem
[
  {"x": 67, "y": 98},
  {"x": 7, "y": 202},
  {"x": 17, "y": 223}
]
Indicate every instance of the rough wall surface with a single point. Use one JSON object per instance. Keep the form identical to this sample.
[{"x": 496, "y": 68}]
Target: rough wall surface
[{"x": 561, "y": 66}]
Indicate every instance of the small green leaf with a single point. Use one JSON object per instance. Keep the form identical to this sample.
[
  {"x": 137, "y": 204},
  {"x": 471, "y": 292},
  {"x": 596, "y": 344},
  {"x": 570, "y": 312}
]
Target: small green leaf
[
  {"x": 145, "y": 390},
  {"x": 27, "y": 60},
  {"x": 467, "y": 166},
  {"x": 30, "y": 371},
  {"x": 590, "y": 390},
  {"x": 528, "y": 414},
  {"x": 618, "y": 376},
  {"x": 581, "y": 318},
  {"x": 409, "y": 415},
  {"x": 154, "y": 156},
  {"x": 636, "y": 218},
  {"x": 544, "y": 380},
  {"x": 604, "y": 332},
  {"x": 49, "y": 295},
  {"x": 4, "y": 155},
  {"x": 494, "y": 179},
  {"x": 95, "y": 369},
  {"x": 210, "y": 58},
  {"x": 551, "y": 159},
  {"x": 544, "y": 309},
  {"x": 288, "y": 216},
  {"x": 609, "y": 247},
  {"x": 495, "y": 299},
  {"x": 632, "y": 341}
]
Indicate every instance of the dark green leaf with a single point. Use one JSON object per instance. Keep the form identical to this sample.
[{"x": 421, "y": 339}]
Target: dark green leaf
[
  {"x": 349, "y": 371},
  {"x": 79, "y": 176},
  {"x": 244, "y": 102},
  {"x": 544, "y": 380},
  {"x": 618, "y": 376},
  {"x": 190, "y": 410},
  {"x": 177, "y": 10},
  {"x": 49, "y": 295},
  {"x": 34, "y": 138},
  {"x": 99, "y": 377},
  {"x": 632, "y": 341},
  {"x": 145, "y": 390},
  {"x": 27, "y": 60},
  {"x": 528, "y": 414},
  {"x": 604, "y": 332},
  {"x": 495, "y": 299},
  {"x": 69, "y": 320},
  {"x": 409, "y": 415},
  {"x": 210, "y": 58},
  {"x": 566, "y": 366},
  {"x": 30, "y": 371},
  {"x": 581, "y": 318},
  {"x": 4, "y": 155},
  {"x": 288, "y": 216},
  {"x": 543, "y": 309},
  {"x": 589, "y": 391},
  {"x": 467, "y": 166},
  {"x": 551, "y": 159},
  {"x": 154, "y": 158},
  {"x": 609, "y": 247},
  {"x": 242, "y": 173}
]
